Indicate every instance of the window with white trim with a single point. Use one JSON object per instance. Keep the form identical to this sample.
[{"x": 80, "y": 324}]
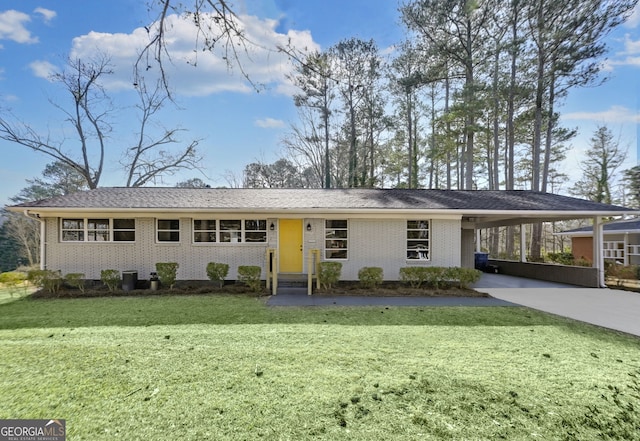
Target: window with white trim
[
  {"x": 97, "y": 230},
  {"x": 255, "y": 230},
  {"x": 168, "y": 230},
  {"x": 204, "y": 230},
  {"x": 418, "y": 240},
  {"x": 124, "y": 230},
  {"x": 229, "y": 230},
  {"x": 336, "y": 239}
]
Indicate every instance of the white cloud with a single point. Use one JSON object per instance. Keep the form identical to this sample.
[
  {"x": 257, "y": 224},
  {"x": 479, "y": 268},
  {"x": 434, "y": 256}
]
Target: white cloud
[
  {"x": 270, "y": 123},
  {"x": 200, "y": 73},
  {"x": 629, "y": 55},
  {"x": 615, "y": 114},
  {"x": 47, "y": 14},
  {"x": 12, "y": 27},
  {"x": 42, "y": 69}
]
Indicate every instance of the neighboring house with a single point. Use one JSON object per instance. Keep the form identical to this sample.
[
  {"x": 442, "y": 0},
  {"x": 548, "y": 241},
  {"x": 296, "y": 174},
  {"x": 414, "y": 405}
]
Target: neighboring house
[
  {"x": 133, "y": 228},
  {"x": 621, "y": 242}
]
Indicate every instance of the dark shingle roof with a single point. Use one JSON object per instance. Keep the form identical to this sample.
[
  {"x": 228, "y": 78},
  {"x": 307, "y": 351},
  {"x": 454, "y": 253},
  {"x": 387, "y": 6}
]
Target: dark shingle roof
[{"x": 303, "y": 199}]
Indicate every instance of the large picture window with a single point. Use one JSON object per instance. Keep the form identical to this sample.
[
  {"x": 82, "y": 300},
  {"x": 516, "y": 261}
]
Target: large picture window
[
  {"x": 418, "y": 240},
  {"x": 97, "y": 230},
  {"x": 229, "y": 230},
  {"x": 336, "y": 234},
  {"x": 168, "y": 230}
]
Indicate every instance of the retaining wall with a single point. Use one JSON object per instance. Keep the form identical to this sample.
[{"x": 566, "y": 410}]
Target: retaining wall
[{"x": 573, "y": 275}]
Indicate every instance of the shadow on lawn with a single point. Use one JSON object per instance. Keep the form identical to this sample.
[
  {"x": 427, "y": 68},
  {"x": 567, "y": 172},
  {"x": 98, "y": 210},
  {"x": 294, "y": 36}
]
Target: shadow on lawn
[{"x": 225, "y": 309}]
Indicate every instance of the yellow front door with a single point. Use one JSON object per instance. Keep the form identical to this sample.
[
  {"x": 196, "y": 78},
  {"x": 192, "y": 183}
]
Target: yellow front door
[{"x": 290, "y": 245}]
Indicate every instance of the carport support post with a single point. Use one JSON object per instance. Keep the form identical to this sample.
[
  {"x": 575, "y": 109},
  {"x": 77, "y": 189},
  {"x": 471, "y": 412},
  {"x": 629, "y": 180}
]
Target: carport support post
[
  {"x": 598, "y": 246},
  {"x": 523, "y": 243}
]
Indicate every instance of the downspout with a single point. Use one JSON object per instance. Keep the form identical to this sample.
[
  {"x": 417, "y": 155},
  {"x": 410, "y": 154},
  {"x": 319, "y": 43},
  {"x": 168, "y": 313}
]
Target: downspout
[{"x": 43, "y": 231}]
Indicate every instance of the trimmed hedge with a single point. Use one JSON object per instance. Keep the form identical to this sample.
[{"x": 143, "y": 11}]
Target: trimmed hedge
[
  {"x": 370, "y": 276},
  {"x": 250, "y": 276},
  {"x": 75, "y": 280},
  {"x": 329, "y": 274},
  {"x": 436, "y": 276},
  {"x": 217, "y": 272},
  {"x": 111, "y": 278},
  {"x": 49, "y": 280},
  {"x": 167, "y": 273}
]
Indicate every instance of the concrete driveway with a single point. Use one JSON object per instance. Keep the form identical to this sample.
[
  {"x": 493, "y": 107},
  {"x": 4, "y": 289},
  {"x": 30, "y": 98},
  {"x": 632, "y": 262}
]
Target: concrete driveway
[{"x": 609, "y": 308}]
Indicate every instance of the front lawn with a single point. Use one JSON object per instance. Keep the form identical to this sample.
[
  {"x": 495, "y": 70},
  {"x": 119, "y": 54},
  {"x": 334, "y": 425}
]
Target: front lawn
[{"x": 230, "y": 368}]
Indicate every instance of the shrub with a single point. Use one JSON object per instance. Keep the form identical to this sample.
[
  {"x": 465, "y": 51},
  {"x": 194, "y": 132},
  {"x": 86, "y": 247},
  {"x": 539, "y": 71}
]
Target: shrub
[
  {"x": 414, "y": 275},
  {"x": 111, "y": 278},
  {"x": 582, "y": 262},
  {"x": 463, "y": 276},
  {"x": 217, "y": 272},
  {"x": 622, "y": 272},
  {"x": 167, "y": 273},
  {"x": 563, "y": 258},
  {"x": 329, "y": 274},
  {"x": 75, "y": 280},
  {"x": 250, "y": 276},
  {"x": 14, "y": 281},
  {"x": 437, "y": 276},
  {"x": 370, "y": 276},
  {"x": 49, "y": 280},
  {"x": 419, "y": 275}
]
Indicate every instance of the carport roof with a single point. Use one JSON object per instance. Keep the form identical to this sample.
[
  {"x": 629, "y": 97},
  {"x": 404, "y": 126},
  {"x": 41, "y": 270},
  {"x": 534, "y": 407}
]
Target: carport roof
[{"x": 488, "y": 206}]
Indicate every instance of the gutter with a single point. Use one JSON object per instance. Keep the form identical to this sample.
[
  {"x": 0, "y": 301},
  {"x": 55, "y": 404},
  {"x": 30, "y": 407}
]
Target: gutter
[{"x": 43, "y": 232}]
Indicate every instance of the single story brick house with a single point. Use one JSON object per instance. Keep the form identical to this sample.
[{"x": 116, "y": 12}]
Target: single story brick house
[
  {"x": 621, "y": 242},
  {"x": 134, "y": 228}
]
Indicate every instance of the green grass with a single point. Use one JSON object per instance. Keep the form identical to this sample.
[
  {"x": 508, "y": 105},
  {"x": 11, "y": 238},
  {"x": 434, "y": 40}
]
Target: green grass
[
  {"x": 230, "y": 368},
  {"x": 10, "y": 294}
]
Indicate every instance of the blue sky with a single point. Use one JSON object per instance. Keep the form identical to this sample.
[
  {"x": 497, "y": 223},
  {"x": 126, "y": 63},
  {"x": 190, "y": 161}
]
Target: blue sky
[{"x": 236, "y": 125}]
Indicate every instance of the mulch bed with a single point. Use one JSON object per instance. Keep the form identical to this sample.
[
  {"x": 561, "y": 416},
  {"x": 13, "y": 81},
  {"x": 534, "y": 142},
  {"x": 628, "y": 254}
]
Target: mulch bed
[
  {"x": 342, "y": 289},
  {"x": 398, "y": 291}
]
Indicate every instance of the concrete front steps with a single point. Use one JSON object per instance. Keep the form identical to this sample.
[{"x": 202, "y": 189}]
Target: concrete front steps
[{"x": 292, "y": 284}]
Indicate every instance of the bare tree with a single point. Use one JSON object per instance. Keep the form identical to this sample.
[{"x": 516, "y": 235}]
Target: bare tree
[
  {"x": 90, "y": 116},
  {"x": 306, "y": 146},
  {"x": 149, "y": 159},
  {"x": 216, "y": 24}
]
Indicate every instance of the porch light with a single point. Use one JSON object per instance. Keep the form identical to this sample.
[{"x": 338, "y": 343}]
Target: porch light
[
  {"x": 308, "y": 226},
  {"x": 272, "y": 226}
]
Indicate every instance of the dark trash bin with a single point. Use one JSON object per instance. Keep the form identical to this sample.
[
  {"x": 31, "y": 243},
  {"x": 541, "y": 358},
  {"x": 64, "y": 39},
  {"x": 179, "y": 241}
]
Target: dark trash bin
[
  {"x": 481, "y": 261},
  {"x": 129, "y": 280}
]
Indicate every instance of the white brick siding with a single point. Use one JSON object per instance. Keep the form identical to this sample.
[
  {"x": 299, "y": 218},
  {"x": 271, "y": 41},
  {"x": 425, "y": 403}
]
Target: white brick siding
[{"x": 372, "y": 242}]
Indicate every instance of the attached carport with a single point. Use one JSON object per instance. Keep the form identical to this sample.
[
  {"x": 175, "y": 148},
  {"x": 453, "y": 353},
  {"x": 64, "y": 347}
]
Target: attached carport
[{"x": 512, "y": 209}]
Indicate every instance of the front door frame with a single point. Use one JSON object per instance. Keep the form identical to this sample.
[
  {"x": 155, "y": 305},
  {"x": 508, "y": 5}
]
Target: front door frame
[{"x": 291, "y": 246}]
